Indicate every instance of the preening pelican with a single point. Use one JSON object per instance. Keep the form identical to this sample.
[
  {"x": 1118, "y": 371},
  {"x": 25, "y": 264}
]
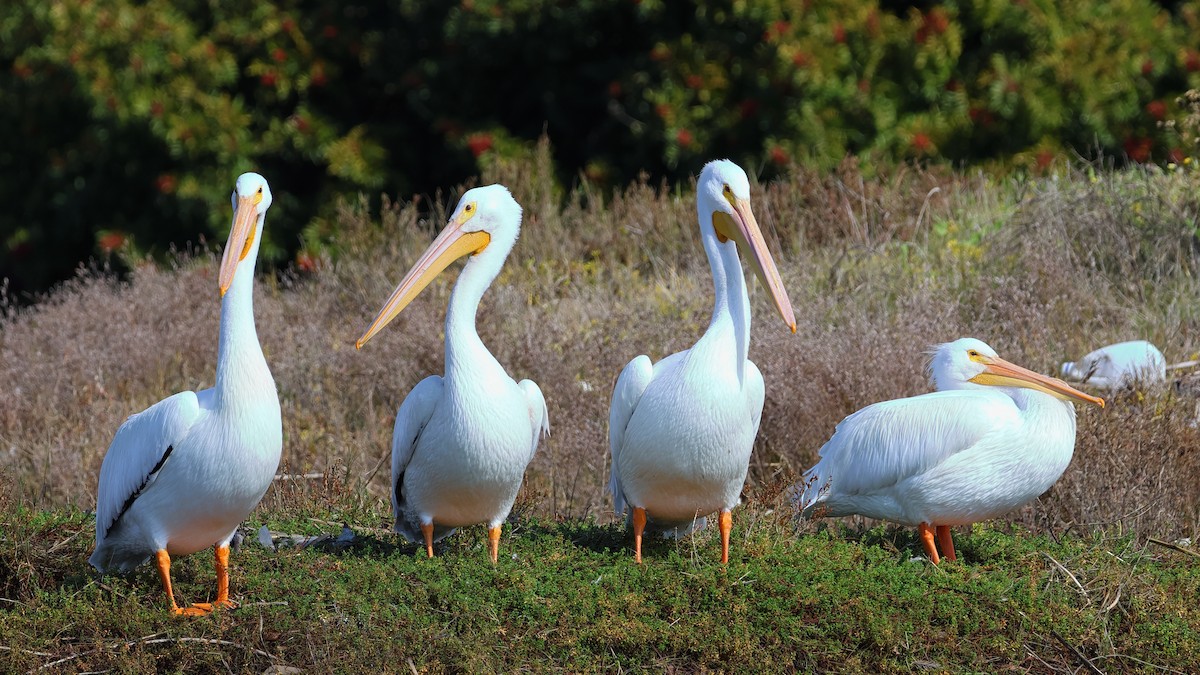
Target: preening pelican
[
  {"x": 462, "y": 440},
  {"x": 681, "y": 430},
  {"x": 1118, "y": 365},
  {"x": 992, "y": 438},
  {"x": 182, "y": 474}
]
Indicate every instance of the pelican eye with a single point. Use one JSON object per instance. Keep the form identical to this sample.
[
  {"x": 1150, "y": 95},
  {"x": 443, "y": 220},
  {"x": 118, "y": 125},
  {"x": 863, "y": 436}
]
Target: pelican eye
[{"x": 260, "y": 189}]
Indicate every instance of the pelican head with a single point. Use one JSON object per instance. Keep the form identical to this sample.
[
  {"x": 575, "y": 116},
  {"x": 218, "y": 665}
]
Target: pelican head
[
  {"x": 723, "y": 200},
  {"x": 251, "y": 199},
  {"x": 968, "y": 363},
  {"x": 485, "y": 217}
]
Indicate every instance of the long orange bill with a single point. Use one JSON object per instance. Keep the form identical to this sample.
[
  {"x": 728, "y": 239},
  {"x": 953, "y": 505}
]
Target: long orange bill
[
  {"x": 1007, "y": 374},
  {"x": 745, "y": 232},
  {"x": 241, "y": 238},
  {"x": 449, "y": 246}
]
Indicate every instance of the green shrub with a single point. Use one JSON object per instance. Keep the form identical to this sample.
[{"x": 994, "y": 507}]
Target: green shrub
[{"x": 126, "y": 121}]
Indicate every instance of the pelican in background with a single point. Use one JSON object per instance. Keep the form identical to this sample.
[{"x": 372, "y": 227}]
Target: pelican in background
[
  {"x": 182, "y": 474},
  {"x": 462, "y": 440},
  {"x": 992, "y": 438},
  {"x": 681, "y": 430},
  {"x": 1119, "y": 365}
]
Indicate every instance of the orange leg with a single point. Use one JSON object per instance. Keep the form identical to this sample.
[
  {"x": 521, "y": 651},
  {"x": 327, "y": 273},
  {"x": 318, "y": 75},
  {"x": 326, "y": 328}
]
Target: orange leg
[
  {"x": 222, "y": 601},
  {"x": 639, "y": 524},
  {"x": 725, "y": 521},
  {"x": 427, "y": 530},
  {"x": 162, "y": 560},
  {"x": 494, "y": 543},
  {"x": 926, "y": 533},
  {"x": 946, "y": 541}
]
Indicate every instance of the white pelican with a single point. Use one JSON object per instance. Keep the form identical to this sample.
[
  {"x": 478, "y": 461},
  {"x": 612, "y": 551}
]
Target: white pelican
[
  {"x": 462, "y": 440},
  {"x": 992, "y": 438},
  {"x": 681, "y": 430},
  {"x": 182, "y": 474},
  {"x": 1118, "y": 365}
]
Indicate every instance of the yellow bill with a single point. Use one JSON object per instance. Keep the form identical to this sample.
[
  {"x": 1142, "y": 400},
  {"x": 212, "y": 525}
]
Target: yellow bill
[
  {"x": 743, "y": 230},
  {"x": 1005, "y": 374},
  {"x": 449, "y": 246},
  {"x": 241, "y": 238}
]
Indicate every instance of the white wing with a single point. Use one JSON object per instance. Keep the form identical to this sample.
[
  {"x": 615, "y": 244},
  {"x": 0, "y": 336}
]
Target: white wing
[
  {"x": 137, "y": 452},
  {"x": 890, "y": 441},
  {"x": 628, "y": 391},
  {"x": 539, "y": 416},
  {"x": 411, "y": 419}
]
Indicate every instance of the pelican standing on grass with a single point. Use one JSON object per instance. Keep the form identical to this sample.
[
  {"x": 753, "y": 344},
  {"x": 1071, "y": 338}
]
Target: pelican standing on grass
[
  {"x": 182, "y": 474},
  {"x": 992, "y": 438},
  {"x": 462, "y": 440},
  {"x": 681, "y": 430}
]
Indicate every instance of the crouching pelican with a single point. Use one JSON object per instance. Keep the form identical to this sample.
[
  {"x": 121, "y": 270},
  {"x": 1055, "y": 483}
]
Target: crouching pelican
[
  {"x": 992, "y": 438},
  {"x": 681, "y": 430},
  {"x": 1119, "y": 365},
  {"x": 462, "y": 440},
  {"x": 182, "y": 474}
]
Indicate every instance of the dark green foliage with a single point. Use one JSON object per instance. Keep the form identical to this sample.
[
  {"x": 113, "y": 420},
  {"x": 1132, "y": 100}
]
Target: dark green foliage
[{"x": 126, "y": 122}]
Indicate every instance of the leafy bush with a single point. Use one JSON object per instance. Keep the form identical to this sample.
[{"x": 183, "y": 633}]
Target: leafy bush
[{"x": 126, "y": 121}]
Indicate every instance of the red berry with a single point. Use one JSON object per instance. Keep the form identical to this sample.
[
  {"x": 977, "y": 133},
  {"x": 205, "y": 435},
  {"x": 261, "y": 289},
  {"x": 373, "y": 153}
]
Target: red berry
[
  {"x": 279, "y": 55},
  {"x": 110, "y": 241},
  {"x": 921, "y": 142},
  {"x": 329, "y": 31},
  {"x": 165, "y": 183},
  {"x": 779, "y": 156},
  {"x": 1147, "y": 67},
  {"x": 839, "y": 33},
  {"x": 267, "y": 79},
  {"x": 479, "y": 143},
  {"x": 684, "y": 137},
  {"x": 694, "y": 81},
  {"x": 1156, "y": 109}
]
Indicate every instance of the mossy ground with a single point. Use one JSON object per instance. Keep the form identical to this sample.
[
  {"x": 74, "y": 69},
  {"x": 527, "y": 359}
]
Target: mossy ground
[{"x": 567, "y": 596}]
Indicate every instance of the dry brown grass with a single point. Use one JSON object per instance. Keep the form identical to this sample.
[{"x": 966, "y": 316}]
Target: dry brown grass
[{"x": 879, "y": 268}]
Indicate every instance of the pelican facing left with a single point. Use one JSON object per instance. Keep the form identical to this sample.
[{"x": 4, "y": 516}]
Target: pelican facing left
[
  {"x": 462, "y": 440},
  {"x": 182, "y": 474}
]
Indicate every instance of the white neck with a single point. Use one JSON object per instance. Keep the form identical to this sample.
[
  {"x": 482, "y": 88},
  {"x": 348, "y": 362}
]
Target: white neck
[
  {"x": 241, "y": 368},
  {"x": 731, "y": 304},
  {"x": 465, "y": 352}
]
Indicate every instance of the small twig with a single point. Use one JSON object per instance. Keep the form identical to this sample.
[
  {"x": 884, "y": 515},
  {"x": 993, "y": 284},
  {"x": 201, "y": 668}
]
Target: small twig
[
  {"x": 298, "y": 476},
  {"x": 1183, "y": 364},
  {"x": 209, "y": 641},
  {"x": 282, "y": 603},
  {"x": 370, "y": 475},
  {"x": 1078, "y": 654},
  {"x": 23, "y": 651},
  {"x": 1144, "y": 663},
  {"x": 1174, "y": 547},
  {"x": 151, "y": 640},
  {"x": 1069, "y": 574}
]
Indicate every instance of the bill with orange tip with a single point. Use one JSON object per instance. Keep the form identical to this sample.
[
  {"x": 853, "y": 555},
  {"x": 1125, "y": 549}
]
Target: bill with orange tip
[
  {"x": 744, "y": 231},
  {"x": 453, "y": 243},
  {"x": 1002, "y": 373},
  {"x": 241, "y": 237}
]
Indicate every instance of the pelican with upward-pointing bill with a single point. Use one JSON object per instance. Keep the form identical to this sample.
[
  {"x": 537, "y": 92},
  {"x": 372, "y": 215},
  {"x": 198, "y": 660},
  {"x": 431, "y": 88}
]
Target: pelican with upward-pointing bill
[
  {"x": 182, "y": 474},
  {"x": 462, "y": 440},
  {"x": 681, "y": 430},
  {"x": 992, "y": 438}
]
